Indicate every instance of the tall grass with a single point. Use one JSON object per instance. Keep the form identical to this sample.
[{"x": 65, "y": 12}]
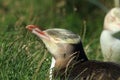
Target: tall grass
[{"x": 23, "y": 56}]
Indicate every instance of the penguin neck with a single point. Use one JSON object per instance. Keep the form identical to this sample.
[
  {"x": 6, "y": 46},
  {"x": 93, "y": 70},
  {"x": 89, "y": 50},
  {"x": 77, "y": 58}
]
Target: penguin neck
[
  {"x": 81, "y": 55},
  {"x": 78, "y": 55}
]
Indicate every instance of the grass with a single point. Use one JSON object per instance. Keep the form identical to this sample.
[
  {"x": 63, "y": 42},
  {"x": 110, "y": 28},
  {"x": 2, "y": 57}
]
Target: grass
[{"x": 23, "y": 56}]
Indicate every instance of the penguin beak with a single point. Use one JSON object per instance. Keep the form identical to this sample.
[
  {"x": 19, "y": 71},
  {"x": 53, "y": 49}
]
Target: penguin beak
[{"x": 34, "y": 29}]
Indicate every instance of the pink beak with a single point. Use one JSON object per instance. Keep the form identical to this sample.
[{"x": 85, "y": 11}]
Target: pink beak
[
  {"x": 31, "y": 27},
  {"x": 37, "y": 30}
]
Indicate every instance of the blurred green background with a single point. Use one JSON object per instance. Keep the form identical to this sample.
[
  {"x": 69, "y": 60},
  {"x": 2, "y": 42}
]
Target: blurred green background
[{"x": 23, "y": 56}]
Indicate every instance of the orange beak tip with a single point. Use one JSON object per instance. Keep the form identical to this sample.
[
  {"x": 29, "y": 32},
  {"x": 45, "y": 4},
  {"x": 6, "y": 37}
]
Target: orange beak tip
[{"x": 30, "y": 27}]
